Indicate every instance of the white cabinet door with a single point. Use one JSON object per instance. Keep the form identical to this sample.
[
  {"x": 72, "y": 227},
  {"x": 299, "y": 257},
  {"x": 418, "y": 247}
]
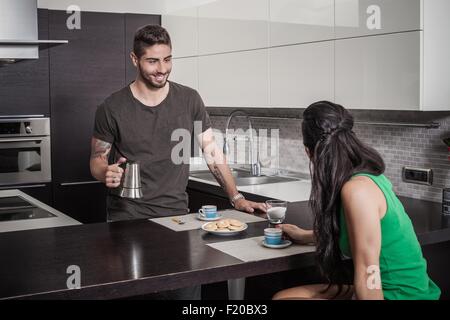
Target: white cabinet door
[
  {"x": 185, "y": 72},
  {"x": 233, "y": 25},
  {"x": 436, "y": 46},
  {"x": 301, "y": 74},
  {"x": 379, "y": 72},
  {"x": 183, "y": 30},
  {"x": 238, "y": 79},
  {"x": 369, "y": 17},
  {"x": 299, "y": 21}
]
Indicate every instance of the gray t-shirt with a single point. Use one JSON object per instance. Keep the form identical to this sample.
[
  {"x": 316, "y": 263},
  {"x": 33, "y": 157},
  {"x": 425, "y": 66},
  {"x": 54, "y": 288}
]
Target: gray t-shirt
[{"x": 143, "y": 134}]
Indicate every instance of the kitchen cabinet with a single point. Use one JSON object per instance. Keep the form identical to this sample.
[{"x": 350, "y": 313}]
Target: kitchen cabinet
[
  {"x": 132, "y": 23},
  {"x": 24, "y": 86},
  {"x": 182, "y": 26},
  {"x": 185, "y": 72},
  {"x": 232, "y": 25},
  {"x": 301, "y": 74},
  {"x": 82, "y": 74},
  {"x": 355, "y": 18},
  {"x": 84, "y": 202},
  {"x": 388, "y": 54},
  {"x": 300, "y": 21},
  {"x": 398, "y": 71},
  {"x": 197, "y": 199},
  {"x": 380, "y": 72},
  {"x": 238, "y": 79},
  {"x": 42, "y": 192}
]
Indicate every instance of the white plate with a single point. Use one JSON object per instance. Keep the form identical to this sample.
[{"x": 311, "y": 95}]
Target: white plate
[
  {"x": 286, "y": 243},
  {"x": 200, "y": 217},
  {"x": 226, "y": 233}
]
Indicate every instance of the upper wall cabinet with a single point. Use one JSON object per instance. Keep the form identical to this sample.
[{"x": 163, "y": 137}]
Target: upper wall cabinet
[
  {"x": 381, "y": 72},
  {"x": 435, "y": 55},
  {"x": 182, "y": 26},
  {"x": 398, "y": 71},
  {"x": 185, "y": 72},
  {"x": 301, "y": 74},
  {"x": 368, "y": 17},
  {"x": 299, "y": 21},
  {"x": 233, "y": 25},
  {"x": 24, "y": 86},
  {"x": 238, "y": 79}
]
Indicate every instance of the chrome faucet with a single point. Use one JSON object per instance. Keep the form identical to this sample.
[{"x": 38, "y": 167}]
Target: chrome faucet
[{"x": 255, "y": 165}]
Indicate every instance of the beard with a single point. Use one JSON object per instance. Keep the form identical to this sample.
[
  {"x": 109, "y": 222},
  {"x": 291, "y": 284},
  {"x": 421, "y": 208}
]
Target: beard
[{"x": 151, "y": 81}]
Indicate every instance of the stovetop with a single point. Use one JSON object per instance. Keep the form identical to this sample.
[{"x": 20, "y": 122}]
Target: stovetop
[{"x": 17, "y": 208}]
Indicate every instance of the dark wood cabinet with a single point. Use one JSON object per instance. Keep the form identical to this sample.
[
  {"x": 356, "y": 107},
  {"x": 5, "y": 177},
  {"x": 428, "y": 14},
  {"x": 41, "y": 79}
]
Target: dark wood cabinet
[
  {"x": 132, "y": 23},
  {"x": 202, "y": 194},
  {"x": 41, "y": 192},
  {"x": 438, "y": 266},
  {"x": 85, "y": 202},
  {"x": 24, "y": 86},
  {"x": 83, "y": 74},
  {"x": 197, "y": 199}
]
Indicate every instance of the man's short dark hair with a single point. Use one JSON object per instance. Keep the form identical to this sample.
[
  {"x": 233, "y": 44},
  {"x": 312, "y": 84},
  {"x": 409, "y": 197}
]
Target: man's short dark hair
[{"x": 148, "y": 36}]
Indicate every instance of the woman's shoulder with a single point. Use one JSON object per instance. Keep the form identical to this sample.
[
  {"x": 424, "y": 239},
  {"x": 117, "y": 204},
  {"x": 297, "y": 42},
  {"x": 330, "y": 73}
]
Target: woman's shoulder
[
  {"x": 362, "y": 191},
  {"x": 358, "y": 185}
]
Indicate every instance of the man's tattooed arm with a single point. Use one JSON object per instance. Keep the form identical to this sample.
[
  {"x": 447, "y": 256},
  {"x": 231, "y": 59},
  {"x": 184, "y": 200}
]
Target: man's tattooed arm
[
  {"x": 218, "y": 175},
  {"x": 100, "y": 149},
  {"x": 99, "y": 158}
]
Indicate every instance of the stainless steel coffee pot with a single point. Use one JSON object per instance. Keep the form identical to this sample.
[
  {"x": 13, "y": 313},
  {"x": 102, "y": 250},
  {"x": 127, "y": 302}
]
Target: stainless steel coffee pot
[{"x": 131, "y": 187}]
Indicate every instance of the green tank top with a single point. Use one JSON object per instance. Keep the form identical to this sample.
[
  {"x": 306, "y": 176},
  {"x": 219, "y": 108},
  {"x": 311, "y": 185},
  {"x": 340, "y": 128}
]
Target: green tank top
[{"x": 402, "y": 266}]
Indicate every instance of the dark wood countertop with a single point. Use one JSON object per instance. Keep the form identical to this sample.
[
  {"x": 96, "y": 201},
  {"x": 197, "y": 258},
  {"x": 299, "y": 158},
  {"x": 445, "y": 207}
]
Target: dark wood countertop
[{"x": 130, "y": 258}]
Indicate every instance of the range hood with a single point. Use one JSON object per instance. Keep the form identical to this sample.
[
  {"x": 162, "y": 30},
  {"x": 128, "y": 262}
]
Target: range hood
[{"x": 19, "y": 31}]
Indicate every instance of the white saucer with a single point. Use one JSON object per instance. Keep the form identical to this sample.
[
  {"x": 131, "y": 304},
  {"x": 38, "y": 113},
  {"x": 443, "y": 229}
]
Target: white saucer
[
  {"x": 286, "y": 243},
  {"x": 199, "y": 217}
]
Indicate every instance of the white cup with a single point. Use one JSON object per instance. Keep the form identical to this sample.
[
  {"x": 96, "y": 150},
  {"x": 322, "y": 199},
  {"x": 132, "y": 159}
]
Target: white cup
[{"x": 208, "y": 211}]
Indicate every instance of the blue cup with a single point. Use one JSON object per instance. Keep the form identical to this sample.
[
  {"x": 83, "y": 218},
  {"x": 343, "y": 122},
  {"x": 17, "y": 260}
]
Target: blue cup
[
  {"x": 208, "y": 212},
  {"x": 273, "y": 236}
]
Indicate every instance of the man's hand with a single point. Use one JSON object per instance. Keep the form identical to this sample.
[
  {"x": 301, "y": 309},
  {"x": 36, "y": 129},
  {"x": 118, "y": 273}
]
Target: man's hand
[
  {"x": 249, "y": 206},
  {"x": 114, "y": 174}
]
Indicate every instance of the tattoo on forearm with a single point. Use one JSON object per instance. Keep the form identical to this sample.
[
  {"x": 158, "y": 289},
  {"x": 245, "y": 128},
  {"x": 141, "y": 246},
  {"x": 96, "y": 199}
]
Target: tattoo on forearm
[
  {"x": 218, "y": 175},
  {"x": 100, "y": 149}
]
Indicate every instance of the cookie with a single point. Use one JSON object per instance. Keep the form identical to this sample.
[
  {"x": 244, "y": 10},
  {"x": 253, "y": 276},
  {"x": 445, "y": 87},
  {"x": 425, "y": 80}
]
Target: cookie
[
  {"x": 222, "y": 224},
  {"x": 235, "y": 223},
  {"x": 211, "y": 226},
  {"x": 234, "y": 228}
]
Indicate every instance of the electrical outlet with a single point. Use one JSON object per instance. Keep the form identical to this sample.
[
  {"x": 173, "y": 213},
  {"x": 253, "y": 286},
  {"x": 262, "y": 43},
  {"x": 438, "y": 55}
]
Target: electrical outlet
[{"x": 418, "y": 175}]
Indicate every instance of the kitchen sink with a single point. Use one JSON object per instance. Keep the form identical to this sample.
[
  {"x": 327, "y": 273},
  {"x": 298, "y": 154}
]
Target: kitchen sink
[{"x": 244, "y": 178}]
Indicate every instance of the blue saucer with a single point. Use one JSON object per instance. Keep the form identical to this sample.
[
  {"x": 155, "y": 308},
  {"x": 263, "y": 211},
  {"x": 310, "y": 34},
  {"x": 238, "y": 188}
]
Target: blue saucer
[
  {"x": 200, "y": 217},
  {"x": 284, "y": 244}
]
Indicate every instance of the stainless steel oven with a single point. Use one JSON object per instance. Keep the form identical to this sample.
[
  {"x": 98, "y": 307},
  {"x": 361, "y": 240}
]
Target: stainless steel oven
[{"x": 24, "y": 151}]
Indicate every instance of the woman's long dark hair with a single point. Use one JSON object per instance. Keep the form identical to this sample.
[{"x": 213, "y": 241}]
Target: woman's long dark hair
[{"x": 336, "y": 154}]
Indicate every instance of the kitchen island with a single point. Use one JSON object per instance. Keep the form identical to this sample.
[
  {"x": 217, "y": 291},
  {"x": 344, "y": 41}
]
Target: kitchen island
[{"x": 132, "y": 258}]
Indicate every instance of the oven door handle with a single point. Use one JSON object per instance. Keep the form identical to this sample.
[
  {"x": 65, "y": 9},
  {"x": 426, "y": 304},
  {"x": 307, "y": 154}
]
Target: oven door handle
[{"x": 21, "y": 140}]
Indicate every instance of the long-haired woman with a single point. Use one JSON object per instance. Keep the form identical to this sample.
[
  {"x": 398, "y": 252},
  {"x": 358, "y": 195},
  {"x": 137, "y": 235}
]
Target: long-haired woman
[{"x": 356, "y": 214}]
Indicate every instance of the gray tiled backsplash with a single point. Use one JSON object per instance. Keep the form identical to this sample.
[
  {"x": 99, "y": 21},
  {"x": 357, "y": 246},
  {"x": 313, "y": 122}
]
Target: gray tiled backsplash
[{"x": 399, "y": 146}]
